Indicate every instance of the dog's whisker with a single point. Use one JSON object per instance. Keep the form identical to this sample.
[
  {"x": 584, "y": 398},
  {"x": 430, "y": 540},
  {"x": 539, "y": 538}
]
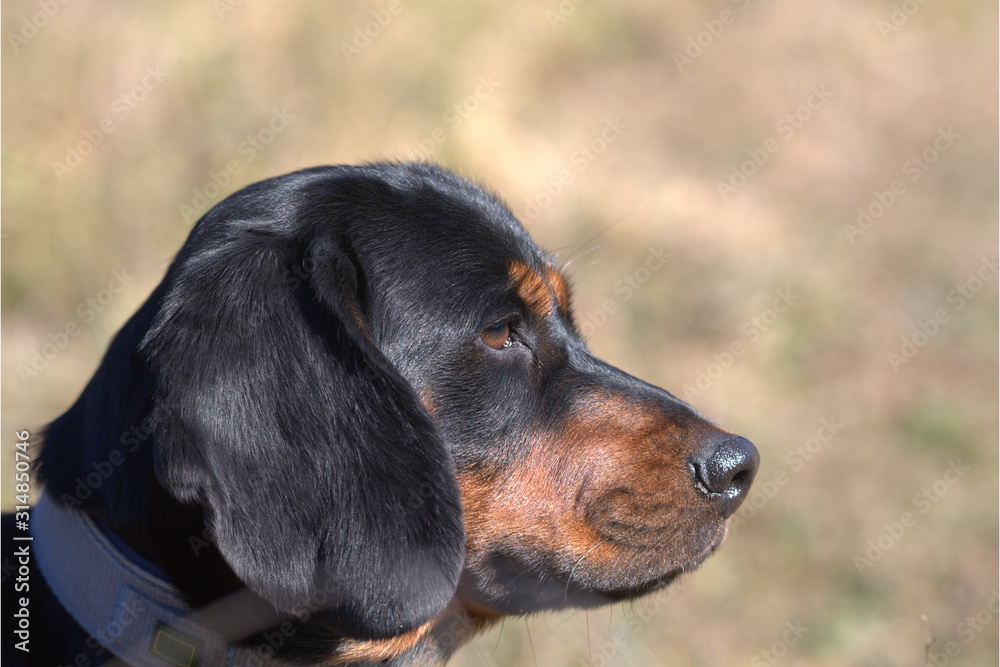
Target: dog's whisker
[
  {"x": 518, "y": 575},
  {"x": 565, "y": 265},
  {"x": 553, "y": 254},
  {"x": 588, "y": 265},
  {"x": 503, "y": 620},
  {"x": 534, "y": 658},
  {"x": 569, "y": 578},
  {"x": 602, "y": 232}
]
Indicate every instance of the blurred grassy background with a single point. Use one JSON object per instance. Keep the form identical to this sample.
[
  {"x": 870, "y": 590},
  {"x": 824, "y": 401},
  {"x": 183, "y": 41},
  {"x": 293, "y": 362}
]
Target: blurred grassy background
[{"x": 582, "y": 115}]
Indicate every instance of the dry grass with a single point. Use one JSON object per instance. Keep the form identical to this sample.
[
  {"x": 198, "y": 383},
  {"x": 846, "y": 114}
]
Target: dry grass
[{"x": 555, "y": 88}]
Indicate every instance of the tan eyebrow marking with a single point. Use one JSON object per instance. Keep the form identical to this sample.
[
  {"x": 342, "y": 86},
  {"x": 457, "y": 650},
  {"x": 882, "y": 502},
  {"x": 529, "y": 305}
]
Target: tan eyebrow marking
[
  {"x": 539, "y": 291},
  {"x": 561, "y": 288}
]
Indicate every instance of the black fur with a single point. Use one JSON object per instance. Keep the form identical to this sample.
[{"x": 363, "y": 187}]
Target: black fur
[{"x": 288, "y": 409}]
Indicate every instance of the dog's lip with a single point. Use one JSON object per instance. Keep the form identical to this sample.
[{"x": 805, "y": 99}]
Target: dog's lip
[
  {"x": 645, "y": 588},
  {"x": 671, "y": 575},
  {"x": 526, "y": 589}
]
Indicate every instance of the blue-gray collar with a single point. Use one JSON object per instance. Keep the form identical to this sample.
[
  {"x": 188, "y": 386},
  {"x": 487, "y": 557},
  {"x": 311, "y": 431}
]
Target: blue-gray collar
[{"x": 133, "y": 613}]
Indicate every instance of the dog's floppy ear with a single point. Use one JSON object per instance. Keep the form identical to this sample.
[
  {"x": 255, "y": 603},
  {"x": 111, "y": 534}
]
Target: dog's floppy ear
[{"x": 326, "y": 483}]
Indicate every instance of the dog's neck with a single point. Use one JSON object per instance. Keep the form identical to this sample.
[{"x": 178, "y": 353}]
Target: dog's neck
[
  {"x": 126, "y": 605},
  {"x": 433, "y": 643},
  {"x": 199, "y": 579},
  {"x": 175, "y": 539}
]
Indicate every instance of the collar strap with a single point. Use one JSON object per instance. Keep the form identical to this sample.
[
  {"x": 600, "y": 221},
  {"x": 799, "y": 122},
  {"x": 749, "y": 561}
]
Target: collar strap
[{"x": 133, "y": 613}]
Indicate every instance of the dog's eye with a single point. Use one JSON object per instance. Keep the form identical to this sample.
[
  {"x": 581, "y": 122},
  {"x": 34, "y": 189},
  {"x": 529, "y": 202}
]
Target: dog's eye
[{"x": 497, "y": 336}]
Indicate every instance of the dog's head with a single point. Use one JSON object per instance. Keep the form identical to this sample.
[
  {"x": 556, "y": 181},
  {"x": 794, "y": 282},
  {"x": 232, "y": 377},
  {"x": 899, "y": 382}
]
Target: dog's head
[{"x": 370, "y": 382}]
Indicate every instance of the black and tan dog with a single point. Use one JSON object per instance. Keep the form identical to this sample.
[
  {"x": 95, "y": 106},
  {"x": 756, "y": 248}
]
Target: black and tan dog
[{"x": 355, "y": 424}]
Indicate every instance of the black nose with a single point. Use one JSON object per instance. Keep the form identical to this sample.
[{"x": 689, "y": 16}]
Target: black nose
[{"x": 728, "y": 471}]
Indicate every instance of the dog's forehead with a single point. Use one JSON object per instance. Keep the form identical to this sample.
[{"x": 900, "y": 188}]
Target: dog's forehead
[
  {"x": 442, "y": 231},
  {"x": 458, "y": 215}
]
